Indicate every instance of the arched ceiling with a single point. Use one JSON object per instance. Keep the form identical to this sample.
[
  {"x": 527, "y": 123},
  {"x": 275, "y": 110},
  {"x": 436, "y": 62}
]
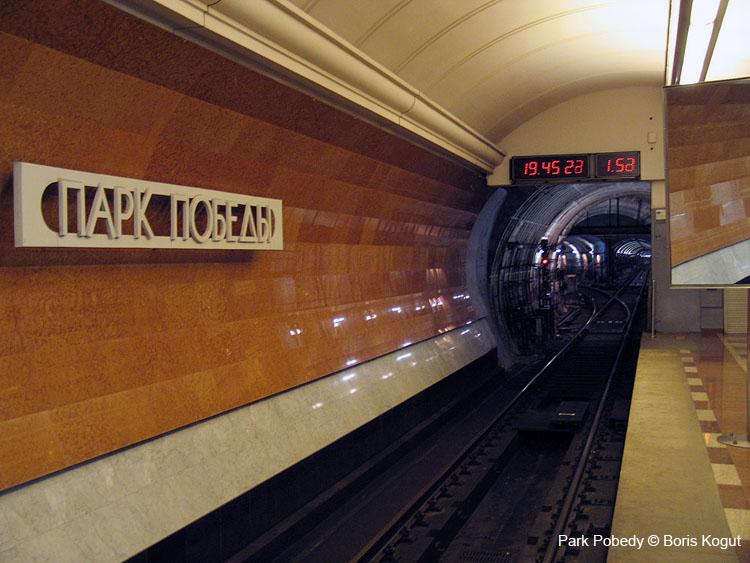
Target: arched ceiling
[
  {"x": 637, "y": 208},
  {"x": 455, "y": 75},
  {"x": 553, "y": 210},
  {"x": 496, "y": 63}
]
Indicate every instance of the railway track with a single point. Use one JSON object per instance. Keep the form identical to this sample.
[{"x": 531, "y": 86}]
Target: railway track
[
  {"x": 544, "y": 470},
  {"x": 485, "y": 480}
]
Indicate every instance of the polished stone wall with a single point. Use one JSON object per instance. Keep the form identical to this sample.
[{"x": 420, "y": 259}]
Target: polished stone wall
[
  {"x": 708, "y": 163},
  {"x": 102, "y": 349},
  {"x": 117, "y": 505}
]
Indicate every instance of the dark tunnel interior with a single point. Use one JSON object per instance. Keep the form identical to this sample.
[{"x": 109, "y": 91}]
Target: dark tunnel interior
[{"x": 552, "y": 242}]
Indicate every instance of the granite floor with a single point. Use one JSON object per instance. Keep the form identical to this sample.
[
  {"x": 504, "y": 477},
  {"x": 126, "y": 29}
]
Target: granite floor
[{"x": 678, "y": 482}]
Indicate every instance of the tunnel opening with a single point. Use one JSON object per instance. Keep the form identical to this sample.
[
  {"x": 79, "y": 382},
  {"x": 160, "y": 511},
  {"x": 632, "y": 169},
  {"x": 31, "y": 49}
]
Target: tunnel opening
[{"x": 560, "y": 238}]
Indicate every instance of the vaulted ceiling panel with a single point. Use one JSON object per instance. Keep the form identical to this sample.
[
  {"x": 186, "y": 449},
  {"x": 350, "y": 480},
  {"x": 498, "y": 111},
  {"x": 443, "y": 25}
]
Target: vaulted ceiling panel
[
  {"x": 455, "y": 75},
  {"x": 495, "y": 63},
  {"x": 361, "y": 17}
]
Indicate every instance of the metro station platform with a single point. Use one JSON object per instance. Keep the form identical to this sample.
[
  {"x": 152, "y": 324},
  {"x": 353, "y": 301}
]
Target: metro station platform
[{"x": 680, "y": 487}]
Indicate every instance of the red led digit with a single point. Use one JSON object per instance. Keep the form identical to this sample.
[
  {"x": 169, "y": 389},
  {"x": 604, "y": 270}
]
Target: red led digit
[
  {"x": 610, "y": 165},
  {"x": 607, "y": 165}
]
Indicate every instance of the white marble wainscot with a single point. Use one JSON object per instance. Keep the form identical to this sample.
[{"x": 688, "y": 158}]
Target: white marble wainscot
[
  {"x": 115, "y": 506},
  {"x": 725, "y": 266}
]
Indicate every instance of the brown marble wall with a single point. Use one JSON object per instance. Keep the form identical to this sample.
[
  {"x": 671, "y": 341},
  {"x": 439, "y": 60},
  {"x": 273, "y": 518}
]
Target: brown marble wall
[
  {"x": 708, "y": 162},
  {"x": 100, "y": 349}
]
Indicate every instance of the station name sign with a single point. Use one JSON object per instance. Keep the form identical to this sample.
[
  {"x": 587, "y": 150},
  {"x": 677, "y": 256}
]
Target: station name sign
[{"x": 56, "y": 207}]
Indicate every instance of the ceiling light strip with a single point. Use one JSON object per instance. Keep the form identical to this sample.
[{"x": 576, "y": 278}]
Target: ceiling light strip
[
  {"x": 714, "y": 36},
  {"x": 683, "y": 24}
]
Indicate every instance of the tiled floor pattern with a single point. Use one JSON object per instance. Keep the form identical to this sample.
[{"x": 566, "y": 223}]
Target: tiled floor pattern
[{"x": 715, "y": 367}]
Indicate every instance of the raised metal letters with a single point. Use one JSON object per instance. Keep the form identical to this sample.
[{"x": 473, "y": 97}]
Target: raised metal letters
[{"x": 130, "y": 213}]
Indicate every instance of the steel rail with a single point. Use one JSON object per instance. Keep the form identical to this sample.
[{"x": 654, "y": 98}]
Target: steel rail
[
  {"x": 402, "y": 516},
  {"x": 563, "y": 519}
]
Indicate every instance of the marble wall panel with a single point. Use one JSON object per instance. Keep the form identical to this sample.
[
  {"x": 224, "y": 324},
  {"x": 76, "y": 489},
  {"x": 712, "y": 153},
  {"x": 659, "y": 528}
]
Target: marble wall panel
[
  {"x": 102, "y": 349},
  {"x": 119, "y": 504},
  {"x": 708, "y": 161},
  {"x": 103, "y": 35}
]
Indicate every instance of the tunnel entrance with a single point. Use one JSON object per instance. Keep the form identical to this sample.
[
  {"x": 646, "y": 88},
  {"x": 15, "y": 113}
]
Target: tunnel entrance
[{"x": 559, "y": 239}]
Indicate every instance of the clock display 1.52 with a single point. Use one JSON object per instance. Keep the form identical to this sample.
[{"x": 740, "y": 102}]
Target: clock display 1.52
[
  {"x": 618, "y": 164},
  {"x": 549, "y": 167}
]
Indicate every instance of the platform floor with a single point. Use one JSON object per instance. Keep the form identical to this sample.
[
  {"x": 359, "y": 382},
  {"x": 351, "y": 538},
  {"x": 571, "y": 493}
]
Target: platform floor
[{"x": 678, "y": 485}]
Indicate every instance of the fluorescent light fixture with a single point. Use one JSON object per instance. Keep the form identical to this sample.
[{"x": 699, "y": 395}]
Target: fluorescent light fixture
[
  {"x": 708, "y": 40},
  {"x": 731, "y": 57},
  {"x": 702, "y": 18}
]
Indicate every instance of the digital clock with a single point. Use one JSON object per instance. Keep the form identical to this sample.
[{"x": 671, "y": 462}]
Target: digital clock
[
  {"x": 566, "y": 167},
  {"x": 606, "y": 165},
  {"x": 618, "y": 165}
]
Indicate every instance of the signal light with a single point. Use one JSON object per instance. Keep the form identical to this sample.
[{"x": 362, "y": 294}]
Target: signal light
[{"x": 544, "y": 247}]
